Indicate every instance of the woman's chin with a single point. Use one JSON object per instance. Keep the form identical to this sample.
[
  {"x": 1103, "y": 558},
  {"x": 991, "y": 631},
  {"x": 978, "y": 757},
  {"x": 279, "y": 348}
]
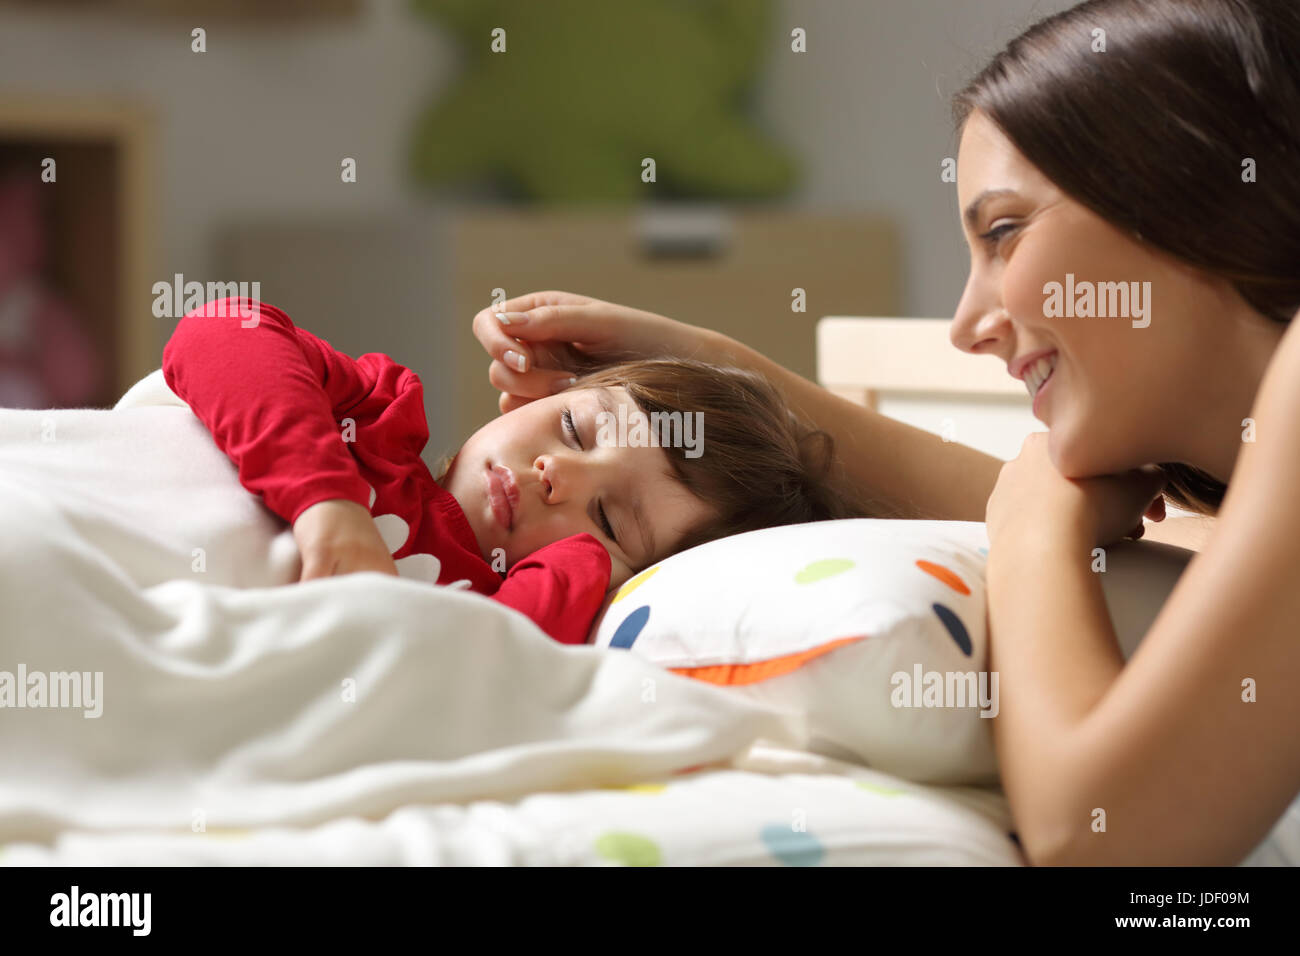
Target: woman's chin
[
  {"x": 1070, "y": 456},
  {"x": 1078, "y": 456}
]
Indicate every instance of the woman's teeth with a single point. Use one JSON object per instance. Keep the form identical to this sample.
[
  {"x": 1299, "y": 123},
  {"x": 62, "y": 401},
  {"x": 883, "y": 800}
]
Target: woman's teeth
[{"x": 1038, "y": 373}]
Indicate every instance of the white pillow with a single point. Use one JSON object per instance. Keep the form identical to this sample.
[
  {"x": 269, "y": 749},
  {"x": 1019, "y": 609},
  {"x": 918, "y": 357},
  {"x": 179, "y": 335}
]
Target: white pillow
[{"x": 875, "y": 630}]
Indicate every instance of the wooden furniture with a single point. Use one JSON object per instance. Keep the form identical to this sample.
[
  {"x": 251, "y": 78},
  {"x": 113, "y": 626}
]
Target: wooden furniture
[
  {"x": 908, "y": 369},
  {"x": 410, "y": 284},
  {"x": 733, "y": 272},
  {"x": 101, "y": 218}
]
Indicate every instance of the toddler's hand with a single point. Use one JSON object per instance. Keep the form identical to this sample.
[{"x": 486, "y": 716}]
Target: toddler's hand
[{"x": 339, "y": 537}]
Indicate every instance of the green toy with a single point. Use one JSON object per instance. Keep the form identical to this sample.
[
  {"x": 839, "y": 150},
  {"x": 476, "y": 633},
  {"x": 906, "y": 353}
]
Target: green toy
[{"x": 585, "y": 90}]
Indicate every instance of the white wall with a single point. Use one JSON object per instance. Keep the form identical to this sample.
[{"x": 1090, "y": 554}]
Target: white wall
[
  {"x": 868, "y": 108},
  {"x": 257, "y": 125}
]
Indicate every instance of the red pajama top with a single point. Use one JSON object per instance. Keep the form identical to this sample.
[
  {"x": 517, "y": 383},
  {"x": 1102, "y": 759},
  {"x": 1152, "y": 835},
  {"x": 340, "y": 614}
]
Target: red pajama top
[{"x": 276, "y": 397}]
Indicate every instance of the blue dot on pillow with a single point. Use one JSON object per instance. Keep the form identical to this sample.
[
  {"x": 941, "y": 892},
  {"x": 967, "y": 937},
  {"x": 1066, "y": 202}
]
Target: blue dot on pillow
[
  {"x": 792, "y": 847},
  {"x": 955, "y": 628},
  {"x": 631, "y": 628}
]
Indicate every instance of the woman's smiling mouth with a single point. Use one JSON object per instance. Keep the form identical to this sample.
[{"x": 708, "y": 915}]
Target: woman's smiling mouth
[
  {"x": 1036, "y": 375},
  {"x": 502, "y": 494},
  {"x": 1036, "y": 371},
  {"x": 1041, "y": 388}
]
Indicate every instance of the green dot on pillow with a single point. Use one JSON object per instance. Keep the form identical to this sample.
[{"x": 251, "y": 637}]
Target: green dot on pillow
[
  {"x": 881, "y": 789},
  {"x": 820, "y": 570},
  {"x": 630, "y": 849}
]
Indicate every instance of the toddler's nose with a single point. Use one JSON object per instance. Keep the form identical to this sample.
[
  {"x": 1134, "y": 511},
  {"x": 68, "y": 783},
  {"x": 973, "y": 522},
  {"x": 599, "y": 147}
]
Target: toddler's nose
[{"x": 543, "y": 467}]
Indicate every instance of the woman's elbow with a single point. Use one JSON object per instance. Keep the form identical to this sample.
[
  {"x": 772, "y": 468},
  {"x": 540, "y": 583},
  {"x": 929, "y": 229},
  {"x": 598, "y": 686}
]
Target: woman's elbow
[
  {"x": 1057, "y": 851},
  {"x": 1045, "y": 845},
  {"x": 1052, "y": 835}
]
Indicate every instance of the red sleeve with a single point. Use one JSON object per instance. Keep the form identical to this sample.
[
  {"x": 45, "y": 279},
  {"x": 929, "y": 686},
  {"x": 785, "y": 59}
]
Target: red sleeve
[
  {"x": 561, "y": 587},
  {"x": 267, "y": 391}
]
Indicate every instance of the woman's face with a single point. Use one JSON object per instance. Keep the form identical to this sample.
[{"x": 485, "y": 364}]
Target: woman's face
[
  {"x": 1118, "y": 396},
  {"x": 539, "y": 474}
]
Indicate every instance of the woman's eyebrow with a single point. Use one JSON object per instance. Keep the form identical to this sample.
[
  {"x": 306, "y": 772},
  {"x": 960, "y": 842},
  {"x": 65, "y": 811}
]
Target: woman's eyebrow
[{"x": 973, "y": 210}]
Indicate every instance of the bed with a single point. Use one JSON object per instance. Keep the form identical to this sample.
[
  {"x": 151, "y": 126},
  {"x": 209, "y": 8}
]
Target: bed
[{"x": 376, "y": 720}]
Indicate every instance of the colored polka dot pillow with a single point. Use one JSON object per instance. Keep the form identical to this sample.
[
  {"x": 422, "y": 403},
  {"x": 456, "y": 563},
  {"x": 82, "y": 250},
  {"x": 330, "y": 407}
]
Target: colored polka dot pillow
[
  {"x": 874, "y": 630},
  {"x": 843, "y": 621}
]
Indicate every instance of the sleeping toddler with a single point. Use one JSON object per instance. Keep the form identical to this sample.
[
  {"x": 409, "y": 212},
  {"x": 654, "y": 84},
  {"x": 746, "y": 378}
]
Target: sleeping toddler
[{"x": 545, "y": 508}]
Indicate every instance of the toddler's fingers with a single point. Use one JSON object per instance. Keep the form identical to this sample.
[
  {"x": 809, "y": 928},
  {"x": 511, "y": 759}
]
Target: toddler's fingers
[{"x": 312, "y": 570}]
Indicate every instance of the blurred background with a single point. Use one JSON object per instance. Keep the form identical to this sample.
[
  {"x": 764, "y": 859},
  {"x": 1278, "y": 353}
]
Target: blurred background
[{"x": 383, "y": 169}]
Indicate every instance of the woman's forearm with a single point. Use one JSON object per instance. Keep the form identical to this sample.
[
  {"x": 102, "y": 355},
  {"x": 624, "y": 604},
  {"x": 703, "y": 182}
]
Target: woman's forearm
[
  {"x": 911, "y": 472},
  {"x": 1054, "y": 649}
]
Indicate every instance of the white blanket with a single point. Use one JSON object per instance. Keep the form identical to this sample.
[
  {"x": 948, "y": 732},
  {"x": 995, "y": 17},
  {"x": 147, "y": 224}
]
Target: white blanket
[{"x": 233, "y": 699}]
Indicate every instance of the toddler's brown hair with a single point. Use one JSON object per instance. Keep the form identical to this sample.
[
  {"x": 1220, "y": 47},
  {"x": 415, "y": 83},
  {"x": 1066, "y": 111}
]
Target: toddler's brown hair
[{"x": 760, "y": 466}]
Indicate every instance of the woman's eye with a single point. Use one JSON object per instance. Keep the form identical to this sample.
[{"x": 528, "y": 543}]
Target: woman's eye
[
  {"x": 567, "y": 417},
  {"x": 997, "y": 233},
  {"x": 605, "y": 525}
]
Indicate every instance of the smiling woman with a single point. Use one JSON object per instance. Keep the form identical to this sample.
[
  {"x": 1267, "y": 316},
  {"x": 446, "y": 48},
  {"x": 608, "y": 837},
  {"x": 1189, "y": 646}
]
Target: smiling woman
[
  {"x": 1193, "y": 103},
  {"x": 1192, "y": 100},
  {"x": 1178, "y": 395}
]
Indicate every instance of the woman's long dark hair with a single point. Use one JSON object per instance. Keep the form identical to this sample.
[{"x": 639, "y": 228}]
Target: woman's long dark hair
[{"x": 1153, "y": 135}]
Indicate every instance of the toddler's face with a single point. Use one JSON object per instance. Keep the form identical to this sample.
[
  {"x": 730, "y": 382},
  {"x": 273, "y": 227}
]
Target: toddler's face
[{"x": 537, "y": 475}]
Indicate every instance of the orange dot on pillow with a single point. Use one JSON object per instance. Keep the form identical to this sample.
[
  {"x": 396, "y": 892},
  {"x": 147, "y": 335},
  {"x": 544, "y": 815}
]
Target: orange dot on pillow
[{"x": 944, "y": 575}]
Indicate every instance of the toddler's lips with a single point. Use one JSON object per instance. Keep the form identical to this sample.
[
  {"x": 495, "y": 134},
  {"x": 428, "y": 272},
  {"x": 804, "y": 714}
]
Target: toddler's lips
[{"x": 503, "y": 494}]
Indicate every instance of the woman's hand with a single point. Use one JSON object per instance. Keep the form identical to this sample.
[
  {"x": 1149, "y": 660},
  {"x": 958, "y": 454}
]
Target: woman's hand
[
  {"x": 559, "y": 334},
  {"x": 339, "y": 537},
  {"x": 1032, "y": 497}
]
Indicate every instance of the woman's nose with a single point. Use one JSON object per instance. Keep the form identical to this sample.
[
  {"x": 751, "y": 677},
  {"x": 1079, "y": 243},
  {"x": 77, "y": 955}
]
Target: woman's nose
[{"x": 977, "y": 325}]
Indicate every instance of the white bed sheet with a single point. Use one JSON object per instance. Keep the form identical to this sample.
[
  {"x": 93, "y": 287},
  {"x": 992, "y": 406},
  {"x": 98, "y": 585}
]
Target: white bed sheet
[{"x": 770, "y": 807}]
